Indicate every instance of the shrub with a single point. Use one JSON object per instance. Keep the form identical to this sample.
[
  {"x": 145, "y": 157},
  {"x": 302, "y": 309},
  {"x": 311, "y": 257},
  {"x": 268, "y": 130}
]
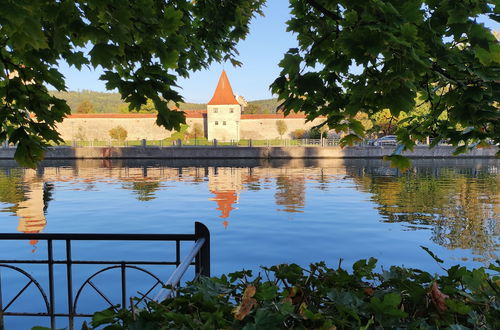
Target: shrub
[
  {"x": 196, "y": 131},
  {"x": 298, "y": 133},
  {"x": 118, "y": 133},
  {"x": 314, "y": 133},
  {"x": 85, "y": 107},
  {"x": 281, "y": 127},
  {"x": 291, "y": 297}
]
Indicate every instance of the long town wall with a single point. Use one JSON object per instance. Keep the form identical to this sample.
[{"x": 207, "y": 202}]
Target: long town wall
[
  {"x": 247, "y": 152},
  {"x": 96, "y": 126},
  {"x": 89, "y": 127}
]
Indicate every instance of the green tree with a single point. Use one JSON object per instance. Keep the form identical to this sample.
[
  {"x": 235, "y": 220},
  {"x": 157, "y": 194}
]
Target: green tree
[
  {"x": 149, "y": 107},
  {"x": 118, "y": 133},
  {"x": 142, "y": 46},
  {"x": 436, "y": 49},
  {"x": 299, "y": 133},
  {"x": 85, "y": 107},
  {"x": 253, "y": 109},
  {"x": 281, "y": 127}
]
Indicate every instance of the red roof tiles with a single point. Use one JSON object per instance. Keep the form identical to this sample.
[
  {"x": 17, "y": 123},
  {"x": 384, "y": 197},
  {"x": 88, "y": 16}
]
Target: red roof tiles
[{"x": 223, "y": 93}]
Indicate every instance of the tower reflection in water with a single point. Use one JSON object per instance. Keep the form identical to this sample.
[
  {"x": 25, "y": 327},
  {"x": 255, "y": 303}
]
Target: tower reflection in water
[
  {"x": 31, "y": 211},
  {"x": 225, "y": 184},
  {"x": 457, "y": 201}
]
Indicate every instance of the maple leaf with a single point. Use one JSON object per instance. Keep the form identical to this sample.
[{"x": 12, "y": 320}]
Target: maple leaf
[
  {"x": 438, "y": 298},
  {"x": 247, "y": 303}
]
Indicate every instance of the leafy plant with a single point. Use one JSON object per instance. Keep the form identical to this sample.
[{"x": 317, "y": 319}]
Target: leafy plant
[
  {"x": 318, "y": 297},
  {"x": 141, "y": 46},
  {"x": 85, "y": 107},
  {"x": 299, "y": 133},
  {"x": 281, "y": 127},
  {"x": 432, "y": 59},
  {"x": 118, "y": 133}
]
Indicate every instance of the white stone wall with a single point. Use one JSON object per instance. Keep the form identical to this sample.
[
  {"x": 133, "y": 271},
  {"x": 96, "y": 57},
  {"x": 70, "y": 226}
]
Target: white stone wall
[
  {"x": 265, "y": 128},
  {"x": 90, "y": 129},
  {"x": 236, "y": 128},
  {"x": 223, "y": 122}
]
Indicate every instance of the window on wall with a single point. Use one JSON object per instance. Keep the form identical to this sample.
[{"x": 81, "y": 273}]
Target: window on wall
[
  {"x": 216, "y": 123},
  {"x": 223, "y": 123},
  {"x": 231, "y": 110},
  {"x": 216, "y": 110}
]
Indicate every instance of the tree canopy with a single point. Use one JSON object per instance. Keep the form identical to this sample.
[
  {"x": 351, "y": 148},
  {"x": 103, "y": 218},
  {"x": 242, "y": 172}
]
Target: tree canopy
[
  {"x": 85, "y": 107},
  {"x": 352, "y": 57},
  {"x": 142, "y": 46},
  {"x": 367, "y": 56}
]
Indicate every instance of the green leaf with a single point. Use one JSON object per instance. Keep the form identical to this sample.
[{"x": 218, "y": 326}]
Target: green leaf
[
  {"x": 266, "y": 291},
  {"x": 429, "y": 252},
  {"x": 103, "y": 317},
  {"x": 401, "y": 162},
  {"x": 349, "y": 140},
  {"x": 483, "y": 55},
  {"x": 458, "y": 307}
]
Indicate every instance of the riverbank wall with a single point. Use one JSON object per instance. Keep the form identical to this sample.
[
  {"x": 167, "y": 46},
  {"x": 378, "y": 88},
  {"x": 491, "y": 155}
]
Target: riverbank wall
[{"x": 224, "y": 152}]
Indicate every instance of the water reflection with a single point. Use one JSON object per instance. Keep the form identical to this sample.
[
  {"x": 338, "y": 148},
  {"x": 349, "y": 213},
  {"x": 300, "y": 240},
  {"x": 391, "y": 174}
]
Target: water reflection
[
  {"x": 457, "y": 201},
  {"x": 459, "y": 206},
  {"x": 29, "y": 197}
]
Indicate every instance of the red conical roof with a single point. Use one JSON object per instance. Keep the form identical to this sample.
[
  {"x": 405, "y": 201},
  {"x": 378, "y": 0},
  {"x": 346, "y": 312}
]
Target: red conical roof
[
  {"x": 223, "y": 93},
  {"x": 225, "y": 200}
]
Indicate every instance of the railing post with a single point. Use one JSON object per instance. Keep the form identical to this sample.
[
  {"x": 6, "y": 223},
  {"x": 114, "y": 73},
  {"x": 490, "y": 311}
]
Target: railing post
[
  {"x": 69, "y": 276},
  {"x": 1, "y": 304},
  {"x": 143, "y": 143},
  {"x": 203, "y": 257},
  {"x": 50, "y": 262}
]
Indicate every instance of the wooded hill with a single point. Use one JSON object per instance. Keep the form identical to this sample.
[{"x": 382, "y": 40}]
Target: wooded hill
[{"x": 112, "y": 103}]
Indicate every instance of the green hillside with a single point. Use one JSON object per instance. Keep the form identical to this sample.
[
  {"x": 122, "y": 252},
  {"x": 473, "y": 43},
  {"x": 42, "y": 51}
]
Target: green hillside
[{"x": 112, "y": 103}]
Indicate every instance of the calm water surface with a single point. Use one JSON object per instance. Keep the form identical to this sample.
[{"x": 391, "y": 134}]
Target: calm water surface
[{"x": 263, "y": 213}]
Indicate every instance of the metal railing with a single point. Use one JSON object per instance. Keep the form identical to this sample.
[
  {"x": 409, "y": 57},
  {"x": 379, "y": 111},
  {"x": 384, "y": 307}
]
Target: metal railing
[
  {"x": 167, "y": 143},
  {"x": 199, "y": 256}
]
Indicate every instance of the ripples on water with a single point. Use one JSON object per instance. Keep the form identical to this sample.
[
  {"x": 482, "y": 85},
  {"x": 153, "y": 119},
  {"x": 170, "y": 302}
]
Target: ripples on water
[
  {"x": 251, "y": 206},
  {"x": 263, "y": 213}
]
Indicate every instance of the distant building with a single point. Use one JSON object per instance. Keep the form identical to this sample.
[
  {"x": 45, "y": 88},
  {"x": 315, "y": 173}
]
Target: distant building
[
  {"x": 223, "y": 120},
  {"x": 223, "y": 113}
]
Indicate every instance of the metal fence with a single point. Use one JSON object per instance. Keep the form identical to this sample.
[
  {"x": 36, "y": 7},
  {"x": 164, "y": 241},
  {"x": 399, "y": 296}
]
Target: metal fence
[
  {"x": 199, "y": 256},
  {"x": 205, "y": 142},
  {"x": 330, "y": 142}
]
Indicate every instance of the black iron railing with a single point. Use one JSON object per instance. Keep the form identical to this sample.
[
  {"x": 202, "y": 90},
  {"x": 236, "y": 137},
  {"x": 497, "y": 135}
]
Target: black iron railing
[{"x": 199, "y": 256}]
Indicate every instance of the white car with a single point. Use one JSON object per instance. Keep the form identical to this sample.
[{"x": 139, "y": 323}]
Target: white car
[{"x": 388, "y": 140}]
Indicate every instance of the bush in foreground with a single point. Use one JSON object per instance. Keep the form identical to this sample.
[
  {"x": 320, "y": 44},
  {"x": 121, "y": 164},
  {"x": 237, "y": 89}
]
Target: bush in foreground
[{"x": 288, "y": 296}]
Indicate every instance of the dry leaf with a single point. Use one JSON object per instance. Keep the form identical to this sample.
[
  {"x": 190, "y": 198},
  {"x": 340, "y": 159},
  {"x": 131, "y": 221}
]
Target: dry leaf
[
  {"x": 246, "y": 304},
  {"x": 249, "y": 292},
  {"x": 438, "y": 298},
  {"x": 369, "y": 291},
  {"x": 244, "y": 308}
]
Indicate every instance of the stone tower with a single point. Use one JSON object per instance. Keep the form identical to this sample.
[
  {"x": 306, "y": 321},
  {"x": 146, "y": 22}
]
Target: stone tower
[{"x": 223, "y": 113}]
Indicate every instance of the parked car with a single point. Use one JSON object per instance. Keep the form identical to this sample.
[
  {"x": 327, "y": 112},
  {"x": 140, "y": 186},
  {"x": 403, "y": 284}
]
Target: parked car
[{"x": 388, "y": 140}]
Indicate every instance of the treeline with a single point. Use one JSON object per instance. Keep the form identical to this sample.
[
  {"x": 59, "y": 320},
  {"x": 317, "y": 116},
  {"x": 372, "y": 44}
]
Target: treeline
[{"x": 87, "y": 101}]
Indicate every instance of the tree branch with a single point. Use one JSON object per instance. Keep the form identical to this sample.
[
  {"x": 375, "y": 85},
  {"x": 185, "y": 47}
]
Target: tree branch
[{"x": 323, "y": 10}]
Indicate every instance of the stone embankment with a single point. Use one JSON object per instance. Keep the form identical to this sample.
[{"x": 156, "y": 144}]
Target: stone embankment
[{"x": 248, "y": 152}]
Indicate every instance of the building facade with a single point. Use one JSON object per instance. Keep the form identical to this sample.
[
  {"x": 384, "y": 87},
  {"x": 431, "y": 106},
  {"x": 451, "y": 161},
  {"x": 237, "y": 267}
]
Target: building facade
[
  {"x": 223, "y": 113},
  {"x": 222, "y": 121}
]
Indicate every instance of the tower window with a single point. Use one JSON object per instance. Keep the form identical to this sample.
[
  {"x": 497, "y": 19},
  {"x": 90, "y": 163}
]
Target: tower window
[
  {"x": 216, "y": 123},
  {"x": 223, "y": 123}
]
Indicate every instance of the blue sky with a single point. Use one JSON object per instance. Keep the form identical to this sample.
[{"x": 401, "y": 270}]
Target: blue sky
[{"x": 260, "y": 54}]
